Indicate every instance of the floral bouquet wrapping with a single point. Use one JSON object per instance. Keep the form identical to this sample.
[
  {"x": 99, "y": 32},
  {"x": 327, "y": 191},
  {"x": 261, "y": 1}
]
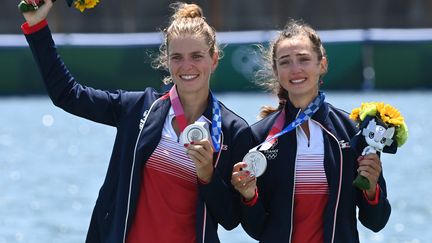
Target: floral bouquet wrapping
[
  {"x": 32, "y": 5},
  {"x": 382, "y": 129}
]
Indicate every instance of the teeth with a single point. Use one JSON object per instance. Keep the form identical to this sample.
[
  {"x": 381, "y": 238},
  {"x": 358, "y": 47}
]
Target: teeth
[
  {"x": 188, "y": 77},
  {"x": 297, "y": 81}
]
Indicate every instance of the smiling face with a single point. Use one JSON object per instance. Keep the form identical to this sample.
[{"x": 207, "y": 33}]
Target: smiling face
[
  {"x": 298, "y": 67},
  {"x": 190, "y": 64}
]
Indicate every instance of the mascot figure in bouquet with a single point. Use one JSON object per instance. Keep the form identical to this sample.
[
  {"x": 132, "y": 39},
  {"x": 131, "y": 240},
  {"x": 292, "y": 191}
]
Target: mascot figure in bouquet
[{"x": 382, "y": 129}]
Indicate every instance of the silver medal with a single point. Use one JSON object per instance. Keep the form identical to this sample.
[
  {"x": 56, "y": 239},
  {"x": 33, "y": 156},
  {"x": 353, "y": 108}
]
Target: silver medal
[
  {"x": 194, "y": 132},
  {"x": 256, "y": 162}
]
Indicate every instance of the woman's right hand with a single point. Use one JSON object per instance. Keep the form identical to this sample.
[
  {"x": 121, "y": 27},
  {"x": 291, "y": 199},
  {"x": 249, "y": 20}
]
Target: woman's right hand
[
  {"x": 34, "y": 17},
  {"x": 243, "y": 181}
]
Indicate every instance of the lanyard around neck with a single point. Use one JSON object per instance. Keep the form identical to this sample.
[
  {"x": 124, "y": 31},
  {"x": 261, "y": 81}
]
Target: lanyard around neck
[
  {"x": 216, "y": 125},
  {"x": 277, "y": 131}
]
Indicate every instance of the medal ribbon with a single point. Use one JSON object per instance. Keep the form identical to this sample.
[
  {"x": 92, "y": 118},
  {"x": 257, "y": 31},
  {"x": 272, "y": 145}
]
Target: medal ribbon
[
  {"x": 277, "y": 131},
  {"x": 178, "y": 108},
  {"x": 216, "y": 125}
]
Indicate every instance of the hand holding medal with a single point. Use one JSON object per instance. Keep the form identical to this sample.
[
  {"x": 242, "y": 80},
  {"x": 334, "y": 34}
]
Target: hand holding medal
[
  {"x": 196, "y": 137},
  {"x": 199, "y": 149},
  {"x": 244, "y": 181}
]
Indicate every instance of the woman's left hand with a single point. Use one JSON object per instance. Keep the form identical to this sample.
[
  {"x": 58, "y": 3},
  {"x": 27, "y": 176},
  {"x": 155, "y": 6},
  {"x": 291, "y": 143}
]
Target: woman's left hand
[
  {"x": 201, "y": 153},
  {"x": 370, "y": 167},
  {"x": 34, "y": 17}
]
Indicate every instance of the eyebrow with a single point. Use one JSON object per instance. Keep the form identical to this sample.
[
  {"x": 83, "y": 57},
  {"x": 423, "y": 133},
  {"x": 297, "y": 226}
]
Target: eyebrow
[
  {"x": 299, "y": 54},
  {"x": 192, "y": 53}
]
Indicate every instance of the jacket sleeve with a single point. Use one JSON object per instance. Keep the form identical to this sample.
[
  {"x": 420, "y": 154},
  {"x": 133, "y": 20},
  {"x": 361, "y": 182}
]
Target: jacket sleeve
[
  {"x": 254, "y": 219},
  {"x": 221, "y": 198},
  {"x": 64, "y": 91},
  {"x": 374, "y": 217}
]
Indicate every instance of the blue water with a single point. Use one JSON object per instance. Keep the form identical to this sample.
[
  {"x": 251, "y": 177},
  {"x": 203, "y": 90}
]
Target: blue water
[{"x": 52, "y": 165}]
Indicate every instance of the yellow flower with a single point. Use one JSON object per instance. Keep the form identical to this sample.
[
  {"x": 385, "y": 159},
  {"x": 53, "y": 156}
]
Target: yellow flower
[
  {"x": 355, "y": 114},
  {"x": 390, "y": 115},
  {"x": 84, "y": 4}
]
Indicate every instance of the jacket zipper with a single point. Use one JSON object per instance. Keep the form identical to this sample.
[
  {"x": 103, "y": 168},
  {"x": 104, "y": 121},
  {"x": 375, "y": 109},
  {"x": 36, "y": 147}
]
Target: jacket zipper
[
  {"x": 292, "y": 201},
  {"x": 293, "y": 194},
  {"x": 340, "y": 179},
  {"x": 143, "y": 120}
]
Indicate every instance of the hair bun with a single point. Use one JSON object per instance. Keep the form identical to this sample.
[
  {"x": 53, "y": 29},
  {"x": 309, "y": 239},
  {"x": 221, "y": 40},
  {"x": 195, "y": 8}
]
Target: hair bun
[{"x": 184, "y": 10}]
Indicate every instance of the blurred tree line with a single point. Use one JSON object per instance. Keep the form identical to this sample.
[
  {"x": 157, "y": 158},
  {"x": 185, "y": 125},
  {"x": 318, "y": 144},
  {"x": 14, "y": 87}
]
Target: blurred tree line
[{"x": 112, "y": 16}]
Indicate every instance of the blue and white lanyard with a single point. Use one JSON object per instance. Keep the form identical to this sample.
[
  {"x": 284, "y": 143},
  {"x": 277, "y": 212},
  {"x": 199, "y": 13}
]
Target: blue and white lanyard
[
  {"x": 310, "y": 110},
  {"x": 216, "y": 127}
]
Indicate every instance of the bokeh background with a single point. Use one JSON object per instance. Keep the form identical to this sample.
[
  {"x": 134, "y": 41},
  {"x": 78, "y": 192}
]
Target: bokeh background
[
  {"x": 384, "y": 45},
  {"x": 227, "y": 15}
]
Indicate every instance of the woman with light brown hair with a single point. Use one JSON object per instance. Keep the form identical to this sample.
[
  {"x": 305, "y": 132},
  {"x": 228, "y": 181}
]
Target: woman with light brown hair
[
  {"x": 306, "y": 194},
  {"x": 161, "y": 184}
]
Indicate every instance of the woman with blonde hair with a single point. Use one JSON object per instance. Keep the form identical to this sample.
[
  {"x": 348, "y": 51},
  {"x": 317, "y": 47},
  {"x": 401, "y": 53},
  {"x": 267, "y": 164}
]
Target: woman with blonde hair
[{"x": 160, "y": 186}]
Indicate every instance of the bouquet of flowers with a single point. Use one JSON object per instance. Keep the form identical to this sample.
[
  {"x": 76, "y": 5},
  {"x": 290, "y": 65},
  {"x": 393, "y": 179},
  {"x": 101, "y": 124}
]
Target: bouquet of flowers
[
  {"x": 32, "y": 5},
  {"x": 382, "y": 129}
]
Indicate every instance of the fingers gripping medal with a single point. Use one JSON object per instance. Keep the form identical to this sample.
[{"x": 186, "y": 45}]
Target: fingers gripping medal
[
  {"x": 194, "y": 132},
  {"x": 256, "y": 162}
]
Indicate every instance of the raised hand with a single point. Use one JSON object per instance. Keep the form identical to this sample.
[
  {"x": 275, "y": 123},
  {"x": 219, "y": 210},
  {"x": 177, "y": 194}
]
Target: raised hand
[{"x": 34, "y": 17}]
